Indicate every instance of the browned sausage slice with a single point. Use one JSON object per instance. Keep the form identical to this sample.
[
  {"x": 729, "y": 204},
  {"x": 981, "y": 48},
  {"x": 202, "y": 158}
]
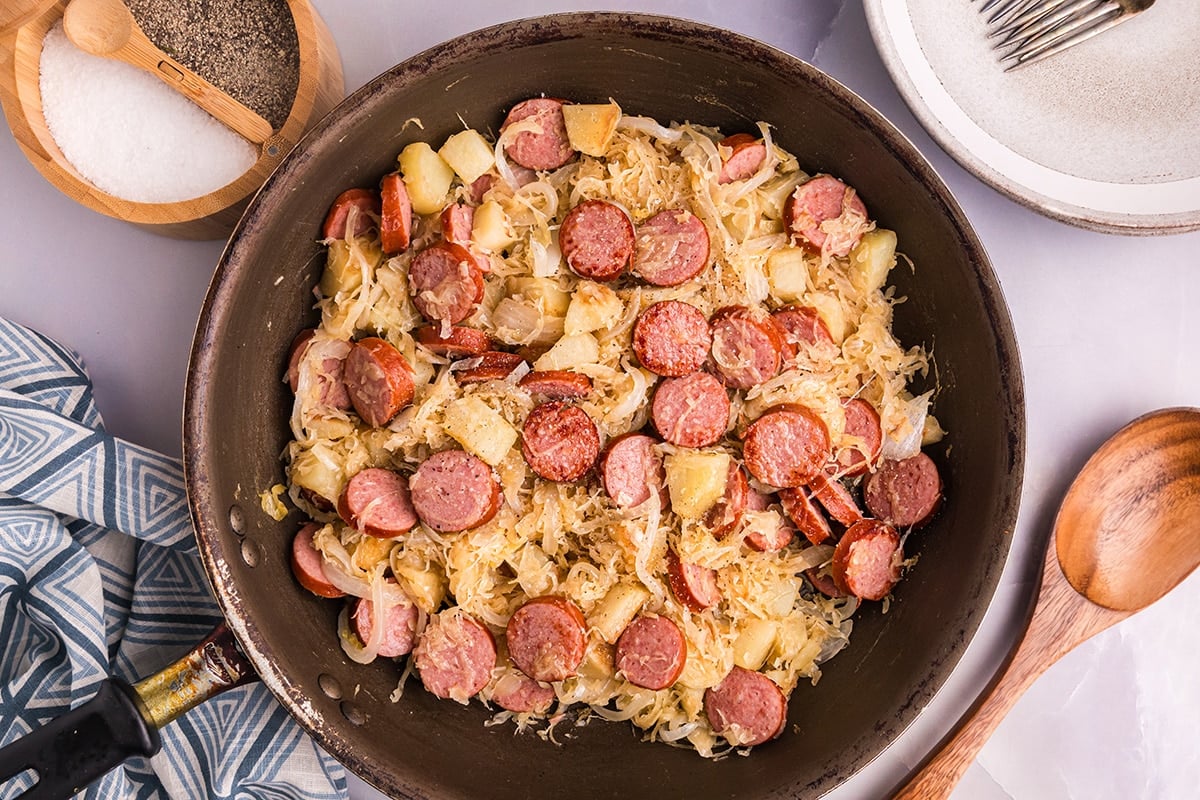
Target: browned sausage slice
[
  {"x": 596, "y": 239},
  {"x": 746, "y": 155},
  {"x": 455, "y": 656},
  {"x": 454, "y": 491},
  {"x": 399, "y": 627},
  {"x": 726, "y": 514},
  {"x": 378, "y": 379},
  {"x": 805, "y": 515},
  {"x": 866, "y": 561},
  {"x": 458, "y": 219},
  {"x": 365, "y": 205},
  {"x": 547, "y": 638},
  {"x": 823, "y": 582},
  {"x": 520, "y": 694},
  {"x": 747, "y": 346},
  {"x": 548, "y": 148},
  {"x": 560, "y": 442},
  {"x": 747, "y": 708},
  {"x": 557, "y": 384},
  {"x": 460, "y": 343},
  {"x": 308, "y": 565},
  {"x": 771, "y": 541},
  {"x": 819, "y": 200},
  {"x": 802, "y": 328},
  {"x": 378, "y": 502},
  {"x": 672, "y": 247},
  {"x": 672, "y": 338},
  {"x": 395, "y": 224},
  {"x": 631, "y": 470},
  {"x": 446, "y": 282},
  {"x": 862, "y": 422},
  {"x": 835, "y": 498},
  {"x": 692, "y": 411},
  {"x": 786, "y": 446},
  {"x": 651, "y": 652},
  {"x": 296, "y": 355},
  {"x": 693, "y": 585},
  {"x": 495, "y": 365},
  {"x": 330, "y": 376},
  {"x": 905, "y": 493},
  {"x": 481, "y": 186}
]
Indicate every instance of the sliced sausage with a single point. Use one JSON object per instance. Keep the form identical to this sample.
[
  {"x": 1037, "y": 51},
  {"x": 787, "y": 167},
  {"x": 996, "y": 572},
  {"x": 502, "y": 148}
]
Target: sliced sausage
[
  {"x": 309, "y": 566},
  {"x": 378, "y": 380},
  {"x": 456, "y": 655},
  {"x": 330, "y": 375},
  {"x": 461, "y": 342},
  {"x": 560, "y": 442},
  {"x": 651, "y": 652},
  {"x": 318, "y": 501},
  {"x": 672, "y": 247},
  {"x": 693, "y": 585},
  {"x": 672, "y": 338},
  {"x": 296, "y": 355},
  {"x": 395, "y": 223},
  {"x": 835, "y": 498},
  {"x": 365, "y": 204},
  {"x": 596, "y": 239},
  {"x": 547, "y": 638},
  {"x": 802, "y": 328},
  {"x": 805, "y": 515},
  {"x": 823, "y": 582},
  {"x": 822, "y": 199},
  {"x": 769, "y": 541},
  {"x": 746, "y": 155},
  {"x": 747, "y": 346},
  {"x": 905, "y": 493},
  {"x": 521, "y": 694},
  {"x": 747, "y": 708},
  {"x": 495, "y": 365},
  {"x": 457, "y": 221},
  {"x": 446, "y": 282},
  {"x": 631, "y": 469},
  {"x": 399, "y": 626},
  {"x": 726, "y": 514},
  {"x": 557, "y": 384},
  {"x": 786, "y": 446},
  {"x": 862, "y": 422},
  {"x": 866, "y": 561},
  {"x": 378, "y": 502},
  {"x": 454, "y": 491},
  {"x": 481, "y": 186},
  {"x": 548, "y": 148},
  {"x": 692, "y": 411}
]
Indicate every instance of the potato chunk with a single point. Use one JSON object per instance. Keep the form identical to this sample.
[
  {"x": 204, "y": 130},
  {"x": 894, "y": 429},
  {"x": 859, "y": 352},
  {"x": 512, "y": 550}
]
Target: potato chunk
[
  {"x": 787, "y": 274},
  {"x": 479, "y": 429},
  {"x": 468, "y": 154},
  {"x": 491, "y": 230},
  {"x": 696, "y": 480},
  {"x": 872, "y": 258},
  {"x": 426, "y": 176},
  {"x": 618, "y": 608},
  {"x": 590, "y": 128},
  {"x": 754, "y": 643},
  {"x": 569, "y": 352},
  {"x": 593, "y": 307}
]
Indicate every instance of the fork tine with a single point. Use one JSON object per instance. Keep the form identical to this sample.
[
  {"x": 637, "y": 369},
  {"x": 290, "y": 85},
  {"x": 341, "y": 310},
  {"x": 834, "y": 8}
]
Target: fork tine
[
  {"x": 1087, "y": 26},
  {"x": 1048, "y": 22},
  {"x": 1001, "y": 15},
  {"x": 1033, "y": 14}
]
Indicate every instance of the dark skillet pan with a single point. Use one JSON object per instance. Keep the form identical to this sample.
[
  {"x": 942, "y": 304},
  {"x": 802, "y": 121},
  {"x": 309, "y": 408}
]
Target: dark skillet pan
[{"x": 237, "y": 411}]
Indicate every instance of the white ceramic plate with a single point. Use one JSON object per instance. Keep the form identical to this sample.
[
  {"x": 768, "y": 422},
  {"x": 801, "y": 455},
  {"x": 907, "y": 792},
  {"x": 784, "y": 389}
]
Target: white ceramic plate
[{"x": 1105, "y": 135}]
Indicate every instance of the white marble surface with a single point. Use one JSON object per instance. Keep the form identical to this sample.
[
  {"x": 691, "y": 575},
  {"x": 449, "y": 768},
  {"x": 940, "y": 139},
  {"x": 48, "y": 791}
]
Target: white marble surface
[{"x": 1106, "y": 327}]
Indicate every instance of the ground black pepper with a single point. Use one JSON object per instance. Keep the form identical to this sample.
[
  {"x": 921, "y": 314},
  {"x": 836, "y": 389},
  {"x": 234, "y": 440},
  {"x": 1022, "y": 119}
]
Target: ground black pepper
[{"x": 247, "y": 48}]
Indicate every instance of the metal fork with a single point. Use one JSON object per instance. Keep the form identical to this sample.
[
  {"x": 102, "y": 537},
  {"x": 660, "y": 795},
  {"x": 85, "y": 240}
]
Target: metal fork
[{"x": 1031, "y": 30}]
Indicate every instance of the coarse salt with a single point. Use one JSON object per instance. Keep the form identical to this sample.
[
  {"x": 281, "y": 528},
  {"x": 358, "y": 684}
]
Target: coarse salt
[{"x": 131, "y": 135}]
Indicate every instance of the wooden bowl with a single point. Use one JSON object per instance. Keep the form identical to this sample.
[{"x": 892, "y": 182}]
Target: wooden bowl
[{"x": 210, "y": 216}]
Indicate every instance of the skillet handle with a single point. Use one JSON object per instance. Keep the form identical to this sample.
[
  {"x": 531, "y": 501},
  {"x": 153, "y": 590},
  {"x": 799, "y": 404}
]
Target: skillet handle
[{"x": 122, "y": 721}]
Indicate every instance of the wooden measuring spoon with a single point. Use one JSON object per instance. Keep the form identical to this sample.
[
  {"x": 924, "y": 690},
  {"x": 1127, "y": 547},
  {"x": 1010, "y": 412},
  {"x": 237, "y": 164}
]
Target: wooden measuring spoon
[
  {"x": 107, "y": 28},
  {"x": 1127, "y": 533}
]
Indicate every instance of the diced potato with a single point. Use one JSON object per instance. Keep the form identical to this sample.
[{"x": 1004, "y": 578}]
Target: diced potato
[
  {"x": 775, "y": 192},
  {"x": 695, "y": 480},
  {"x": 569, "y": 352},
  {"x": 344, "y": 263},
  {"x": 316, "y": 474},
  {"x": 555, "y": 301},
  {"x": 593, "y": 307},
  {"x": 426, "y": 176},
  {"x": 754, "y": 643},
  {"x": 831, "y": 313},
  {"x": 479, "y": 429},
  {"x": 591, "y": 127},
  {"x": 787, "y": 274},
  {"x": 872, "y": 258},
  {"x": 618, "y": 608},
  {"x": 491, "y": 230},
  {"x": 468, "y": 154},
  {"x": 370, "y": 551},
  {"x": 423, "y": 582}
]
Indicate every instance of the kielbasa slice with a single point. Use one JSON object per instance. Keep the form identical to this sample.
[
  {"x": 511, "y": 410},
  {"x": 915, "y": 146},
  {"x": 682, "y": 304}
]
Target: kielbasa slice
[
  {"x": 461, "y": 342},
  {"x": 823, "y": 582},
  {"x": 786, "y": 446},
  {"x": 672, "y": 338},
  {"x": 862, "y": 422},
  {"x": 547, "y": 637},
  {"x": 399, "y": 626},
  {"x": 905, "y": 493},
  {"x": 866, "y": 561},
  {"x": 805, "y": 515},
  {"x": 651, "y": 651},
  {"x": 548, "y": 148},
  {"x": 455, "y": 656},
  {"x": 726, "y": 514},
  {"x": 596, "y": 239},
  {"x": 747, "y": 708},
  {"x": 557, "y": 384},
  {"x": 395, "y": 222},
  {"x": 693, "y": 585},
  {"x": 378, "y": 502},
  {"x": 672, "y": 247},
  {"x": 296, "y": 355},
  {"x": 802, "y": 328},
  {"x": 631, "y": 470},
  {"x": 481, "y": 186},
  {"x": 821, "y": 199},
  {"x": 378, "y": 380},
  {"x": 457, "y": 220},
  {"x": 692, "y": 411},
  {"x": 745, "y": 157},
  {"x": 835, "y": 498},
  {"x": 365, "y": 205},
  {"x": 454, "y": 491},
  {"x": 495, "y": 365},
  {"x": 560, "y": 442},
  {"x": 747, "y": 346},
  {"x": 521, "y": 694},
  {"x": 308, "y": 565},
  {"x": 330, "y": 376},
  {"x": 446, "y": 282},
  {"x": 771, "y": 541}
]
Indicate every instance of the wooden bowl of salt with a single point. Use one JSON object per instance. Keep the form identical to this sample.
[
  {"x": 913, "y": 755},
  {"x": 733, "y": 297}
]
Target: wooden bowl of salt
[{"x": 125, "y": 144}]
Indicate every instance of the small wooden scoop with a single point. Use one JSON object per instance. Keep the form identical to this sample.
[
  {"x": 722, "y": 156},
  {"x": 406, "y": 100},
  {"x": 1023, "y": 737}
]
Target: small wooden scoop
[{"x": 107, "y": 28}]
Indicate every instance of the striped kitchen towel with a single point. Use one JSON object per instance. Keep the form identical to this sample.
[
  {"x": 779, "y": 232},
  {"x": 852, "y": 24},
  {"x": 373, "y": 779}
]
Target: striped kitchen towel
[{"x": 99, "y": 575}]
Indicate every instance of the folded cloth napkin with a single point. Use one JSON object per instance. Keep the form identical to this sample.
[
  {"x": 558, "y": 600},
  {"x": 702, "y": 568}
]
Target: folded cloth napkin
[{"x": 99, "y": 575}]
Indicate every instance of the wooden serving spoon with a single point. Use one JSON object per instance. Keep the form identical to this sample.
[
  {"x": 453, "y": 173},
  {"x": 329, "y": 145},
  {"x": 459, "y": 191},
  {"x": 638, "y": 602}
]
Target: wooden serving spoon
[
  {"x": 107, "y": 28},
  {"x": 1127, "y": 533}
]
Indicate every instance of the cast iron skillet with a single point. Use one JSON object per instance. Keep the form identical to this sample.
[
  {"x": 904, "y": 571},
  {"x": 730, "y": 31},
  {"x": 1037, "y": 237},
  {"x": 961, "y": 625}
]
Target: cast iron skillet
[{"x": 237, "y": 409}]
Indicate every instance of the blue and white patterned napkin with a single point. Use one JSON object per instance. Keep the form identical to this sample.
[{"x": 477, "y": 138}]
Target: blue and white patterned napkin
[{"x": 99, "y": 575}]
